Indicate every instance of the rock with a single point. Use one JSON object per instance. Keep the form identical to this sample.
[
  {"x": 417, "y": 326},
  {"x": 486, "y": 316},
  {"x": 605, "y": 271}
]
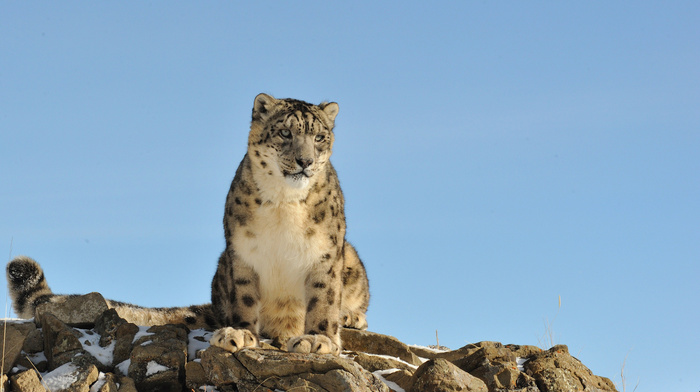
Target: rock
[
  {"x": 158, "y": 360},
  {"x": 437, "y": 375},
  {"x": 77, "y": 311},
  {"x": 106, "y": 383},
  {"x": 286, "y": 371},
  {"x": 85, "y": 377},
  {"x": 126, "y": 384},
  {"x": 427, "y": 352},
  {"x": 556, "y": 371},
  {"x": 330, "y": 372},
  {"x": 27, "y": 381},
  {"x": 402, "y": 378},
  {"x": 524, "y": 351},
  {"x": 374, "y": 343},
  {"x": 107, "y": 325},
  {"x": 60, "y": 341},
  {"x": 373, "y": 363},
  {"x": 15, "y": 335},
  {"x": 494, "y": 364},
  {"x": 71, "y": 378},
  {"x": 35, "y": 361},
  {"x": 34, "y": 342},
  {"x": 195, "y": 376},
  {"x": 222, "y": 367},
  {"x": 124, "y": 336}
]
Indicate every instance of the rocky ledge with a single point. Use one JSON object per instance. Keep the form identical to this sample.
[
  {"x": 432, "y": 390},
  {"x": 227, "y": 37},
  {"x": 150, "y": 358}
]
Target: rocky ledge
[{"x": 81, "y": 345}]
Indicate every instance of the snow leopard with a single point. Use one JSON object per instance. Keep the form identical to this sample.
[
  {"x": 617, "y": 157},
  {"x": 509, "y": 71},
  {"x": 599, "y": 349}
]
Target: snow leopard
[{"x": 287, "y": 272}]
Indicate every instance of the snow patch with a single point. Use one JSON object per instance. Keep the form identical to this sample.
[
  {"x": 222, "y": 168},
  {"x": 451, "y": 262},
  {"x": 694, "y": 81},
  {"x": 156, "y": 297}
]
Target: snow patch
[
  {"x": 434, "y": 349},
  {"x": 414, "y": 367},
  {"x": 198, "y": 340},
  {"x": 392, "y": 385},
  {"x": 521, "y": 362},
  {"x": 61, "y": 378},
  {"x": 91, "y": 343},
  {"x": 124, "y": 367},
  {"x": 101, "y": 380},
  {"x": 142, "y": 332},
  {"x": 154, "y": 367}
]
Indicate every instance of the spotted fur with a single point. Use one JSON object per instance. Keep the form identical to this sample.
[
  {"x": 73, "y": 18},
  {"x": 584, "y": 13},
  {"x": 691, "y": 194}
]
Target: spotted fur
[
  {"x": 287, "y": 272},
  {"x": 29, "y": 289}
]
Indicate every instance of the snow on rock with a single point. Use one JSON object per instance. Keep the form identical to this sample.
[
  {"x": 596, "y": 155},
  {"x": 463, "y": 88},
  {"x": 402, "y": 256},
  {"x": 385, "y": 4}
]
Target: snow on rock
[
  {"x": 198, "y": 340},
  {"x": 141, "y": 333},
  {"x": 61, "y": 378},
  {"x": 101, "y": 380},
  {"x": 123, "y": 367},
  {"x": 392, "y": 385},
  {"x": 91, "y": 343},
  {"x": 154, "y": 367}
]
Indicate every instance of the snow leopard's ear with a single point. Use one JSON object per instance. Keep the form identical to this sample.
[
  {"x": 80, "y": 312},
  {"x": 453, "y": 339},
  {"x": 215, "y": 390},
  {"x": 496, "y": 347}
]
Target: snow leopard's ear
[
  {"x": 262, "y": 107},
  {"x": 331, "y": 109}
]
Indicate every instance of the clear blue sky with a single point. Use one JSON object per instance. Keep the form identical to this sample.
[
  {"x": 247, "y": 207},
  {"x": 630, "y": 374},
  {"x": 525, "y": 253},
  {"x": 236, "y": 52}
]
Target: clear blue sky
[{"x": 494, "y": 156}]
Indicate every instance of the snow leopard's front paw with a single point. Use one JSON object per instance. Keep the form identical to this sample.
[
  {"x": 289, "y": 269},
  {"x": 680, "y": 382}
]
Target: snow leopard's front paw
[
  {"x": 354, "y": 319},
  {"x": 232, "y": 339},
  {"x": 317, "y": 344}
]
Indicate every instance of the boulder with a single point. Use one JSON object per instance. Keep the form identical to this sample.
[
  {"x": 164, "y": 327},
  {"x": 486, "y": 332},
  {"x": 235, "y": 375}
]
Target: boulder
[
  {"x": 27, "y": 381},
  {"x": 402, "y": 378},
  {"x": 275, "y": 369},
  {"x": 555, "y": 370},
  {"x": 60, "y": 341},
  {"x": 14, "y": 336},
  {"x": 438, "y": 375},
  {"x": 105, "y": 383},
  {"x": 77, "y": 311},
  {"x": 158, "y": 360},
  {"x": 71, "y": 378},
  {"x": 374, "y": 343},
  {"x": 373, "y": 362},
  {"x": 124, "y": 336}
]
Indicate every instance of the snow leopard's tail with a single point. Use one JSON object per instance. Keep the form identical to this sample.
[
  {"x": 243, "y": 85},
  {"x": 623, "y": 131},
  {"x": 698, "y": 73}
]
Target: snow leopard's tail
[
  {"x": 27, "y": 286},
  {"x": 29, "y": 289}
]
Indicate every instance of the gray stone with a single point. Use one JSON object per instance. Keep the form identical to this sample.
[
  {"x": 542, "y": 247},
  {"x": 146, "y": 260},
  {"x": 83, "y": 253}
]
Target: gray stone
[
  {"x": 126, "y": 384},
  {"x": 195, "y": 376},
  {"x": 27, "y": 381},
  {"x": 107, "y": 325},
  {"x": 374, "y": 343},
  {"x": 77, "y": 311},
  {"x": 373, "y": 363},
  {"x": 158, "y": 360},
  {"x": 14, "y": 336},
  {"x": 555, "y": 370},
  {"x": 85, "y": 377},
  {"x": 437, "y": 375},
  {"x": 222, "y": 367},
  {"x": 124, "y": 336},
  {"x": 34, "y": 342},
  {"x": 60, "y": 342},
  {"x": 402, "y": 378},
  {"x": 110, "y": 383}
]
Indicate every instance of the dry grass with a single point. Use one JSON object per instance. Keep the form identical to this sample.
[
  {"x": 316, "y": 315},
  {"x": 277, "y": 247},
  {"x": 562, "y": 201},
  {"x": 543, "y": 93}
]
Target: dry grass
[
  {"x": 548, "y": 339},
  {"x": 623, "y": 377}
]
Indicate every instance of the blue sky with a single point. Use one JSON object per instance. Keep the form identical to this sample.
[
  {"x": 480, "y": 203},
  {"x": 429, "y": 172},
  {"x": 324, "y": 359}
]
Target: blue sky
[{"x": 494, "y": 156}]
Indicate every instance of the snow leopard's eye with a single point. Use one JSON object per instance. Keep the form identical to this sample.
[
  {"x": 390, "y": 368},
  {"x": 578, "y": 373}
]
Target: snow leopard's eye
[
  {"x": 320, "y": 138},
  {"x": 285, "y": 133}
]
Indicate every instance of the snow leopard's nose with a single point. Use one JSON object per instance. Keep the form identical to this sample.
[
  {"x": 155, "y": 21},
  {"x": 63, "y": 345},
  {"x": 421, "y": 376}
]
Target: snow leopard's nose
[{"x": 305, "y": 162}]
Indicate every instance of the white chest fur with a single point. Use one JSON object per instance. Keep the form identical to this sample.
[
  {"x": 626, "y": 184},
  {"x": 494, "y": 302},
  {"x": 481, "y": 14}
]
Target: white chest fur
[{"x": 275, "y": 244}]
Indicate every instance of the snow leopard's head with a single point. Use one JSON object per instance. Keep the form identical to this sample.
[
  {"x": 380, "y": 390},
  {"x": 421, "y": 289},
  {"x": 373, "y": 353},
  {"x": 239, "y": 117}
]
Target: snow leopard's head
[{"x": 291, "y": 139}]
